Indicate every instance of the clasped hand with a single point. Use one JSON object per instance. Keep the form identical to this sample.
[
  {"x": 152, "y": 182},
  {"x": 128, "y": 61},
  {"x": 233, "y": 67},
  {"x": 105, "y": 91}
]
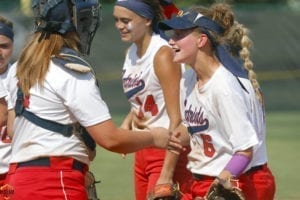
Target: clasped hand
[{"x": 163, "y": 138}]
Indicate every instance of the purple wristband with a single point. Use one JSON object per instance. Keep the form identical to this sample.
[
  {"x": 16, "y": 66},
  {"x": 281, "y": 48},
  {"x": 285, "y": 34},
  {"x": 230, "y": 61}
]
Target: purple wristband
[{"x": 237, "y": 164}]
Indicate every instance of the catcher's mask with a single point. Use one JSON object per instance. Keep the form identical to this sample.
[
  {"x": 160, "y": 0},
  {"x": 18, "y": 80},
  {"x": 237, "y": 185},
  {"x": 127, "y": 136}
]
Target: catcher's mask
[{"x": 62, "y": 16}]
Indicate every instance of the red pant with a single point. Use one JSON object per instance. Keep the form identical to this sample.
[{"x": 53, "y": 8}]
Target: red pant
[
  {"x": 148, "y": 164},
  {"x": 2, "y": 189},
  {"x": 200, "y": 187},
  {"x": 58, "y": 181},
  {"x": 264, "y": 183},
  {"x": 2, "y": 179}
]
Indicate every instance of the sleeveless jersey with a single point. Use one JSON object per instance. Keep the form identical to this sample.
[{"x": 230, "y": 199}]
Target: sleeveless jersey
[
  {"x": 141, "y": 85},
  {"x": 217, "y": 119},
  {"x": 67, "y": 97}
]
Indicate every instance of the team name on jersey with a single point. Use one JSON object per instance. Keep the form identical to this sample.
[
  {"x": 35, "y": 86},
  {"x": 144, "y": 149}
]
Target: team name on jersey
[
  {"x": 196, "y": 119},
  {"x": 133, "y": 84}
]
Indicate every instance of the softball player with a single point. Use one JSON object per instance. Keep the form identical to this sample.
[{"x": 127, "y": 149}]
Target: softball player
[
  {"x": 151, "y": 85},
  {"x": 259, "y": 173},
  {"x": 56, "y": 97},
  {"x": 218, "y": 108},
  {"x": 6, "y": 50},
  {"x": 3, "y": 106}
]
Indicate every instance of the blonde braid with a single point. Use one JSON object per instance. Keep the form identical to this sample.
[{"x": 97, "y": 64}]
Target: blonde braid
[
  {"x": 240, "y": 43},
  {"x": 246, "y": 43},
  {"x": 235, "y": 35}
]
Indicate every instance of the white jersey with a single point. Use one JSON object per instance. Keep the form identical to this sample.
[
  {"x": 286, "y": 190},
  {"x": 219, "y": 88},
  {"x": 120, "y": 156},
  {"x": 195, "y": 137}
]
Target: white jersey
[
  {"x": 141, "y": 85},
  {"x": 257, "y": 114},
  {"x": 218, "y": 120},
  {"x": 5, "y": 79},
  {"x": 5, "y": 142},
  {"x": 66, "y": 97},
  {"x": 3, "y": 92}
]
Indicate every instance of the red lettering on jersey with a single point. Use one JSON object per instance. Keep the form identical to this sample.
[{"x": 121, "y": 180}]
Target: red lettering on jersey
[
  {"x": 150, "y": 105},
  {"x": 209, "y": 149}
]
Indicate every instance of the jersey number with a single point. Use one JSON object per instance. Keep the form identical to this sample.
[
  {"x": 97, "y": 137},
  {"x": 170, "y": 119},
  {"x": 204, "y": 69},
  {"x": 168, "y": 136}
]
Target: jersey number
[
  {"x": 209, "y": 149},
  {"x": 149, "y": 106}
]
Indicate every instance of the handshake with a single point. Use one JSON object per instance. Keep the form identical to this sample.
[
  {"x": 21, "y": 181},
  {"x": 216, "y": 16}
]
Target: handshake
[{"x": 175, "y": 141}]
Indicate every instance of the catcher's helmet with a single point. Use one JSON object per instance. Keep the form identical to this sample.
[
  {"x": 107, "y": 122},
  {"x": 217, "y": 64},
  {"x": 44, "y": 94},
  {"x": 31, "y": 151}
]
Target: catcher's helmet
[{"x": 62, "y": 16}]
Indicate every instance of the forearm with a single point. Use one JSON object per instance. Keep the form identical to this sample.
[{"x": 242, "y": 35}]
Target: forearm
[
  {"x": 10, "y": 122},
  {"x": 119, "y": 140},
  {"x": 3, "y": 112},
  {"x": 184, "y": 136},
  {"x": 169, "y": 167},
  {"x": 237, "y": 164},
  {"x": 122, "y": 141},
  {"x": 171, "y": 159}
]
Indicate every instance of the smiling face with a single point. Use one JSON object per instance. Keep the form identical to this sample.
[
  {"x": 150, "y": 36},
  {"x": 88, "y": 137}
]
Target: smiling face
[
  {"x": 132, "y": 27},
  {"x": 185, "y": 45},
  {"x": 6, "y": 50}
]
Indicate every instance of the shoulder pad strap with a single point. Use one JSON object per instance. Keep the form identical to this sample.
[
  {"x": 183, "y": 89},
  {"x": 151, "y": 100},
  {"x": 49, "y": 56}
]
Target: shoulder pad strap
[{"x": 73, "y": 61}]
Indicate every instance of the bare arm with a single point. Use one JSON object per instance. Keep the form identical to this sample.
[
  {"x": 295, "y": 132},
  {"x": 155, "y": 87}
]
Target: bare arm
[
  {"x": 182, "y": 134},
  {"x": 169, "y": 75},
  {"x": 3, "y": 112},
  {"x": 10, "y": 122},
  {"x": 118, "y": 140}
]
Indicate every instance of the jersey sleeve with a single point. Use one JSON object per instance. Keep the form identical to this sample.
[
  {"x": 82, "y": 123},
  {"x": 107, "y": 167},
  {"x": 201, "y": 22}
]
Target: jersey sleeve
[
  {"x": 82, "y": 97},
  {"x": 233, "y": 111}
]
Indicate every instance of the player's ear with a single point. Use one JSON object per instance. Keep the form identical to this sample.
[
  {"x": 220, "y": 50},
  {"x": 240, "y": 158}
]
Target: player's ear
[
  {"x": 202, "y": 40},
  {"x": 148, "y": 22}
]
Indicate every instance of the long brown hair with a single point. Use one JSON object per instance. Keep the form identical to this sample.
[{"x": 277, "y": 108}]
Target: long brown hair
[{"x": 34, "y": 60}]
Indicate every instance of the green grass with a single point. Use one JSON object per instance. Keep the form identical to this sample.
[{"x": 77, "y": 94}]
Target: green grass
[
  {"x": 114, "y": 172},
  {"x": 282, "y": 141}
]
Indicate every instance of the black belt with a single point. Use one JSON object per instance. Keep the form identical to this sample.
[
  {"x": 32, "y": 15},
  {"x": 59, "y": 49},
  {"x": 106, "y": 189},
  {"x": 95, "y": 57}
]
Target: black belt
[
  {"x": 255, "y": 168},
  {"x": 45, "y": 162},
  {"x": 199, "y": 177}
]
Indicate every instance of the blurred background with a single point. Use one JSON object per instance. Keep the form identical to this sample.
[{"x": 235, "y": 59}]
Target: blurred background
[{"x": 275, "y": 30}]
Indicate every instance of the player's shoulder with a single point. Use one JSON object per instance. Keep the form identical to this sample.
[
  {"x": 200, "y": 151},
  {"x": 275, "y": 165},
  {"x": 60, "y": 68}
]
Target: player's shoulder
[
  {"x": 225, "y": 83},
  {"x": 71, "y": 60}
]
